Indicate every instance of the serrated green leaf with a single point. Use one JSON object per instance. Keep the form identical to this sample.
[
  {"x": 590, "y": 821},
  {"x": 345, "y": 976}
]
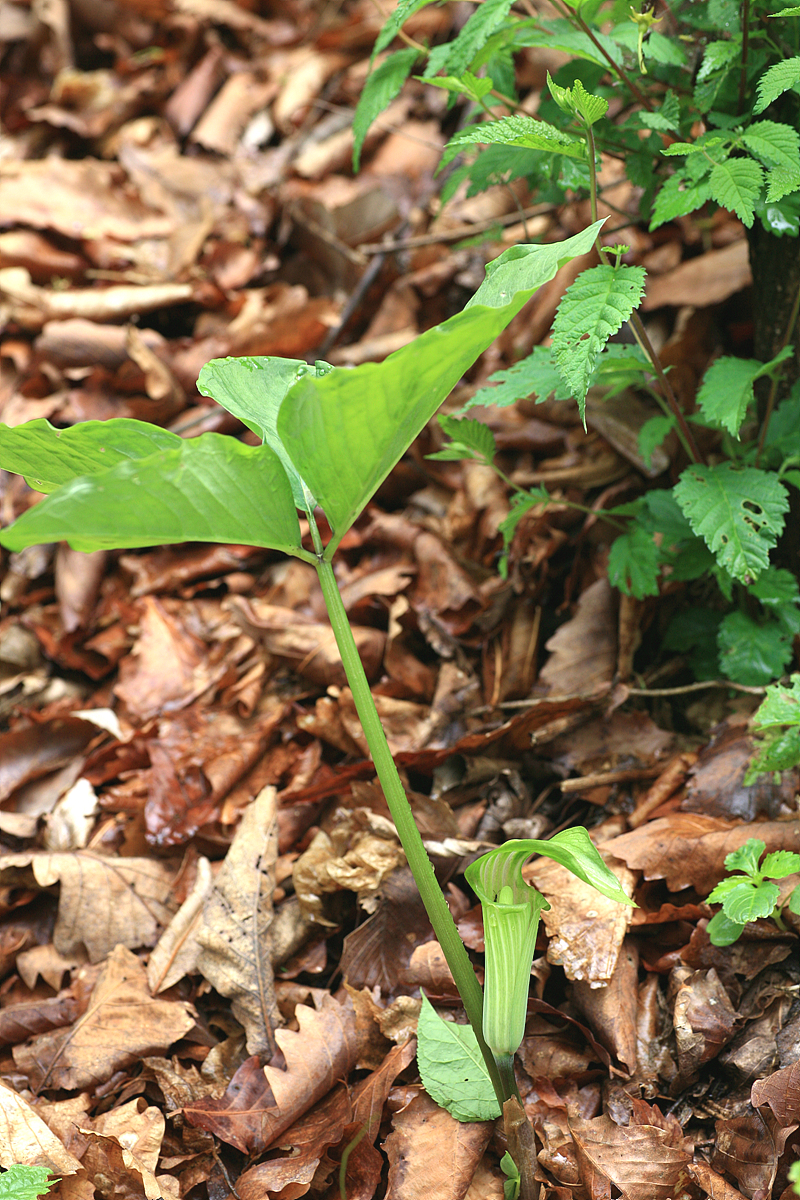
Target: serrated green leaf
[
  {"x": 735, "y": 185},
  {"x": 677, "y": 198},
  {"x": 707, "y": 142},
  {"x": 455, "y": 56},
  {"x": 722, "y": 931},
  {"x": 719, "y": 56},
  {"x": 777, "y": 588},
  {"x": 738, "y": 511},
  {"x": 653, "y": 433},
  {"x": 723, "y": 888},
  {"x": 210, "y": 489},
  {"x": 746, "y": 857},
  {"x": 47, "y": 457},
  {"x": 474, "y": 437},
  {"x": 346, "y": 431},
  {"x": 750, "y": 652},
  {"x": 404, "y": 10},
  {"x": 748, "y": 902},
  {"x": 726, "y": 392},
  {"x": 781, "y": 705},
  {"x": 778, "y": 751},
  {"x": 577, "y": 101},
  {"x": 21, "y": 1182},
  {"x": 776, "y": 144},
  {"x": 464, "y": 85},
  {"x": 775, "y": 81},
  {"x": 537, "y": 376},
  {"x": 521, "y": 132},
  {"x": 793, "y": 903},
  {"x": 787, "y": 12},
  {"x": 782, "y": 181},
  {"x": 666, "y": 117},
  {"x": 634, "y": 563},
  {"x": 779, "y": 864},
  {"x": 383, "y": 84},
  {"x": 452, "y": 1069},
  {"x": 592, "y": 308}
]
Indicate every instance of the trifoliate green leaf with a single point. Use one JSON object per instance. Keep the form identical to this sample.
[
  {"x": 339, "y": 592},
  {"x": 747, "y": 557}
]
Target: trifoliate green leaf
[
  {"x": 383, "y": 84},
  {"x": 735, "y": 185},
  {"x": 22, "y": 1182},
  {"x": 775, "y": 81},
  {"x": 592, "y": 308},
  {"x": 521, "y": 131},
  {"x": 452, "y": 1068},
  {"x": 750, "y": 652},
  {"x": 634, "y": 563},
  {"x": 738, "y": 511},
  {"x": 781, "y": 706}
]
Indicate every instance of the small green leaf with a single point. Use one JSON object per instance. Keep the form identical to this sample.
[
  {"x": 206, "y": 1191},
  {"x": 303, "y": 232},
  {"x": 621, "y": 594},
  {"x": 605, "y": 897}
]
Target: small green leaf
[
  {"x": 21, "y": 1182},
  {"x": 47, "y": 457},
  {"x": 719, "y": 56},
  {"x": 750, "y": 652},
  {"x": 596, "y": 305},
  {"x": 748, "y": 902},
  {"x": 726, "y": 392},
  {"x": 665, "y": 118},
  {"x": 521, "y": 502},
  {"x": 653, "y": 433},
  {"x": 677, "y": 198},
  {"x": 452, "y": 1068},
  {"x": 537, "y": 376},
  {"x": 723, "y": 888},
  {"x": 512, "y": 1182},
  {"x": 738, "y": 511},
  {"x": 634, "y": 563},
  {"x": 779, "y": 864},
  {"x": 382, "y": 85},
  {"x": 578, "y": 102},
  {"x": 735, "y": 185},
  {"x": 455, "y": 56},
  {"x": 776, "y": 144},
  {"x": 210, "y": 489},
  {"x": 779, "y": 751},
  {"x": 521, "y": 131},
  {"x": 745, "y": 857},
  {"x": 474, "y": 438},
  {"x": 794, "y": 901},
  {"x": 722, "y": 931},
  {"x": 462, "y": 85},
  {"x": 775, "y": 81},
  {"x": 781, "y": 705}
]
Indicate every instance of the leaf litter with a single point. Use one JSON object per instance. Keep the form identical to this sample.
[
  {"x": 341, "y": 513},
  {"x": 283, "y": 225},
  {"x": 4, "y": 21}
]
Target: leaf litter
[{"x": 213, "y": 955}]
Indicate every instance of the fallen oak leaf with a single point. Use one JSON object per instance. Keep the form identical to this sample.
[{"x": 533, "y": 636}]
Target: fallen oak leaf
[
  {"x": 104, "y": 902},
  {"x": 122, "y": 1024}
]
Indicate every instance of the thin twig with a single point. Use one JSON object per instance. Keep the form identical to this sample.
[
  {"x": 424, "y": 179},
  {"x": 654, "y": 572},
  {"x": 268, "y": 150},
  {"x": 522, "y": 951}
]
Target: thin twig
[
  {"x": 697, "y": 687},
  {"x": 455, "y": 235}
]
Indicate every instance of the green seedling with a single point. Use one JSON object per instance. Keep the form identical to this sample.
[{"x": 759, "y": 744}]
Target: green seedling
[
  {"x": 777, "y": 720},
  {"x": 329, "y": 437},
  {"x": 22, "y": 1182},
  {"x": 751, "y": 894}
]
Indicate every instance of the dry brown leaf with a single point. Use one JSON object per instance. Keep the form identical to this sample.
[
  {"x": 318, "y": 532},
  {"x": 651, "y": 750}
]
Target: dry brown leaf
[
  {"x": 688, "y": 849},
  {"x": 26, "y": 1139},
  {"x": 168, "y": 667},
  {"x": 583, "y": 651},
  {"x": 709, "y": 279},
  {"x": 104, "y": 902},
  {"x": 124, "y": 1143},
  {"x": 643, "y": 1161},
  {"x": 586, "y": 930},
  {"x": 611, "y": 1010},
  {"x": 121, "y": 1024},
  {"x": 781, "y": 1091},
  {"x": 177, "y": 950},
  {"x": 235, "y": 938},
  {"x": 432, "y": 1156}
]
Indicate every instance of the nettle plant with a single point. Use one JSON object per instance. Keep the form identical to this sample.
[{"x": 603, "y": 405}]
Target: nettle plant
[
  {"x": 328, "y": 438},
  {"x": 23, "y": 1182},
  {"x": 699, "y": 101}
]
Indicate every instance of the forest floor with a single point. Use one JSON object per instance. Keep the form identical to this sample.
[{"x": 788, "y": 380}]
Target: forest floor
[{"x": 183, "y": 779}]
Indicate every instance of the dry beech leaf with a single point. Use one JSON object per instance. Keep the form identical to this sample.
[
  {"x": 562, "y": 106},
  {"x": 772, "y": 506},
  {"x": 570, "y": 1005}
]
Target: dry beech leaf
[
  {"x": 611, "y": 1011},
  {"x": 781, "y": 1091},
  {"x": 586, "y": 930},
  {"x": 123, "y": 1143},
  {"x": 583, "y": 651},
  {"x": 235, "y": 938},
  {"x": 177, "y": 950},
  {"x": 122, "y": 1024},
  {"x": 688, "y": 849},
  {"x": 104, "y": 902},
  {"x": 432, "y": 1156},
  {"x": 26, "y": 1139},
  {"x": 236, "y": 1116},
  {"x": 642, "y": 1161}
]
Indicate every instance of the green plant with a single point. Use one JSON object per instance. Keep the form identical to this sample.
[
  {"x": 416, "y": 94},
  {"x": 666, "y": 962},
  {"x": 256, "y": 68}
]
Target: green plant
[
  {"x": 21, "y": 1182},
  {"x": 794, "y": 1176},
  {"x": 778, "y": 719},
  {"x": 751, "y": 894},
  {"x": 700, "y": 104},
  {"x": 329, "y": 437}
]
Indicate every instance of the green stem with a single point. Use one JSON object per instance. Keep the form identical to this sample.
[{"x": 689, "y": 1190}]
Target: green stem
[
  {"x": 505, "y": 1067},
  {"x": 432, "y": 896},
  {"x": 576, "y": 19}
]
